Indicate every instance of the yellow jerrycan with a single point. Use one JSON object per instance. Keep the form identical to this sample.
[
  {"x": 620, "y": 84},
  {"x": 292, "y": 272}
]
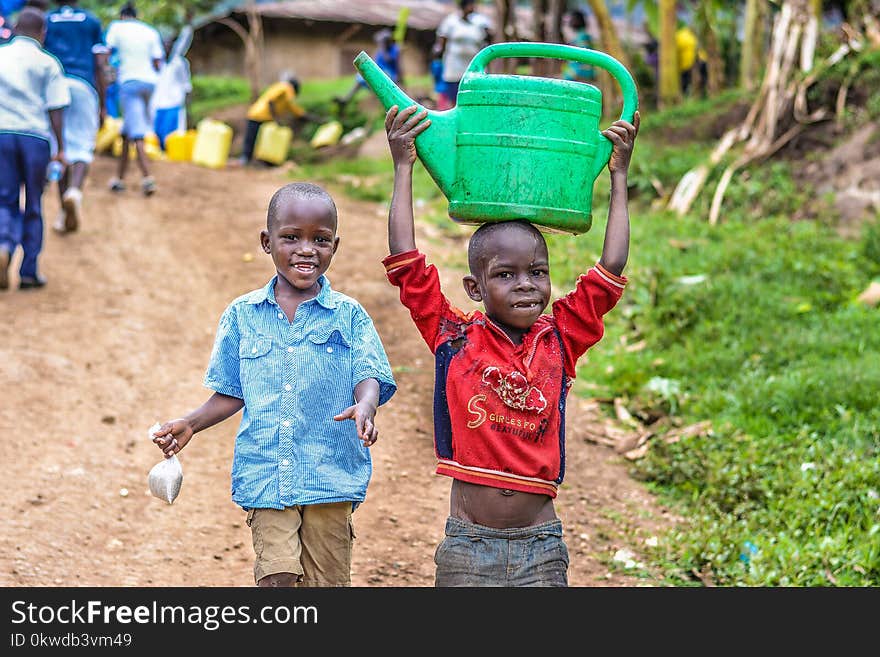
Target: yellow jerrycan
[
  {"x": 211, "y": 148},
  {"x": 107, "y": 134},
  {"x": 151, "y": 147},
  {"x": 179, "y": 145},
  {"x": 273, "y": 143},
  {"x": 327, "y": 134}
]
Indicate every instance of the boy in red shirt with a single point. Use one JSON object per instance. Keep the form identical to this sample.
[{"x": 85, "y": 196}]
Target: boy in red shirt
[{"x": 502, "y": 375}]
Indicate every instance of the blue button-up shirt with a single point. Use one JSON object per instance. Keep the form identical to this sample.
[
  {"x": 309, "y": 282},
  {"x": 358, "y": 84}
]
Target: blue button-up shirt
[{"x": 294, "y": 377}]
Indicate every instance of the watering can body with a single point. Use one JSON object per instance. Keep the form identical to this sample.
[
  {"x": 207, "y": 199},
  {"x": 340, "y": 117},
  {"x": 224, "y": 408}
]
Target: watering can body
[{"x": 516, "y": 147}]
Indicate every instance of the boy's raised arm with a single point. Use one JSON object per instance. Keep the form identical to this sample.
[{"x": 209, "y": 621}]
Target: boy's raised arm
[
  {"x": 615, "y": 250},
  {"x": 402, "y": 128}
]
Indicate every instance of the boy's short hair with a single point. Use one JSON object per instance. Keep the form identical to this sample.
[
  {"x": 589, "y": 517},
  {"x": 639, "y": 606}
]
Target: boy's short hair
[
  {"x": 480, "y": 238},
  {"x": 295, "y": 192},
  {"x": 128, "y": 10}
]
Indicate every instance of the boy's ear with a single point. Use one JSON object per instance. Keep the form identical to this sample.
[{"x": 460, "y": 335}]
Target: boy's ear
[
  {"x": 264, "y": 241},
  {"x": 472, "y": 288},
  {"x": 335, "y": 244}
]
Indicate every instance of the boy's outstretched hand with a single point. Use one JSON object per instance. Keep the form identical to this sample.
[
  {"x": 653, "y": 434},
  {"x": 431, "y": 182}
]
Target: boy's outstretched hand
[
  {"x": 402, "y": 129},
  {"x": 363, "y": 413},
  {"x": 172, "y": 436},
  {"x": 622, "y": 135}
]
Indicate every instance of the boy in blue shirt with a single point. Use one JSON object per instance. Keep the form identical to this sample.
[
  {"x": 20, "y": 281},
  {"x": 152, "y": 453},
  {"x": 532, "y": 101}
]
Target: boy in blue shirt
[{"x": 299, "y": 358}]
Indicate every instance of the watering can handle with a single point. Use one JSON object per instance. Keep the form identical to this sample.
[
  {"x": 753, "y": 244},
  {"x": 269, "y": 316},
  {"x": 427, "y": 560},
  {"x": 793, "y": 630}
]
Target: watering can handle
[{"x": 571, "y": 53}]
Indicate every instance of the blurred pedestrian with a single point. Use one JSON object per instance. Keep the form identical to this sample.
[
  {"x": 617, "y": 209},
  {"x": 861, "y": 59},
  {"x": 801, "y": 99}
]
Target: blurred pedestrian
[
  {"x": 461, "y": 35},
  {"x": 692, "y": 59},
  {"x": 141, "y": 54},
  {"x": 74, "y": 36},
  {"x": 173, "y": 87},
  {"x": 33, "y": 95},
  {"x": 578, "y": 71},
  {"x": 277, "y": 103},
  {"x": 387, "y": 57}
]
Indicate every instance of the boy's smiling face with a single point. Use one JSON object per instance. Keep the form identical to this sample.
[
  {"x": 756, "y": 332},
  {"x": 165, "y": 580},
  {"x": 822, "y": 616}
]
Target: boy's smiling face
[
  {"x": 512, "y": 278},
  {"x": 301, "y": 238}
]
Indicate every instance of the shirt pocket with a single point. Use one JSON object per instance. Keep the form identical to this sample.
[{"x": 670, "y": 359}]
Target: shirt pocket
[
  {"x": 255, "y": 363},
  {"x": 331, "y": 350}
]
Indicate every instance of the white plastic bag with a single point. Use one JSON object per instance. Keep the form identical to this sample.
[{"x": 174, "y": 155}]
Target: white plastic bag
[{"x": 166, "y": 476}]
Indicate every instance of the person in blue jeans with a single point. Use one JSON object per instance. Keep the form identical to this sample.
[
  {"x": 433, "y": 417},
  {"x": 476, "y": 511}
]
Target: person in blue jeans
[
  {"x": 299, "y": 358},
  {"x": 33, "y": 95},
  {"x": 141, "y": 54}
]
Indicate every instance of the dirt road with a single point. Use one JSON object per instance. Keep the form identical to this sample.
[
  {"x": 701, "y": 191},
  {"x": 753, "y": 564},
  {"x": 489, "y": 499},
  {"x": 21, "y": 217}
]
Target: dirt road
[{"x": 120, "y": 339}]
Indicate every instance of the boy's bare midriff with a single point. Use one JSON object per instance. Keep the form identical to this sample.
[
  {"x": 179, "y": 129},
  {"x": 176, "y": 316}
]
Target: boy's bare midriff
[{"x": 500, "y": 508}]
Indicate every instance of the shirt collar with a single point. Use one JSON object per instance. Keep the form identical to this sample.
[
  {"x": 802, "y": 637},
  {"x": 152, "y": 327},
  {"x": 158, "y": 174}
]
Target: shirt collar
[
  {"x": 27, "y": 39},
  {"x": 326, "y": 296}
]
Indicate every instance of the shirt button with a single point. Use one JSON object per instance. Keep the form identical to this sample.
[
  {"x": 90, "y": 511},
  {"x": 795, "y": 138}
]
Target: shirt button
[
  {"x": 285, "y": 462},
  {"x": 290, "y": 350},
  {"x": 329, "y": 350},
  {"x": 286, "y": 423},
  {"x": 287, "y": 387},
  {"x": 280, "y": 315},
  {"x": 254, "y": 350}
]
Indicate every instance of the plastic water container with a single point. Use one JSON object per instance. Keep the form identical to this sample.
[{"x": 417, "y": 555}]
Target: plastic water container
[
  {"x": 273, "y": 143},
  {"x": 211, "y": 147},
  {"x": 107, "y": 134},
  {"x": 151, "y": 147},
  {"x": 179, "y": 145},
  {"x": 327, "y": 135}
]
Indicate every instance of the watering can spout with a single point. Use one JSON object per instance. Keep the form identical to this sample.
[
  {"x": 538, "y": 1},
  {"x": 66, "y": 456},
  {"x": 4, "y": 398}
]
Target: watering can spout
[{"x": 435, "y": 145}]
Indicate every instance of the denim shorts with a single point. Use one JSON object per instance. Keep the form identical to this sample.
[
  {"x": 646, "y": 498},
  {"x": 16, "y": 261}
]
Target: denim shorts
[
  {"x": 475, "y": 555},
  {"x": 134, "y": 96}
]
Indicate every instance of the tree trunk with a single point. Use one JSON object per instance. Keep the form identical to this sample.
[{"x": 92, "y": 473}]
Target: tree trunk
[
  {"x": 609, "y": 42},
  {"x": 539, "y": 15},
  {"x": 753, "y": 43},
  {"x": 670, "y": 81},
  {"x": 505, "y": 30},
  {"x": 709, "y": 41}
]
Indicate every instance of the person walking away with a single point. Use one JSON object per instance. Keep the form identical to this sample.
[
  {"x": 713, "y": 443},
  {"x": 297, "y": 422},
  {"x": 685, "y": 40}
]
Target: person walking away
[
  {"x": 691, "y": 59},
  {"x": 75, "y": 37},
  {"x": 299, "y": 358},
  {"x": 387, "y": 58},
  {"x": 578, "y": 71},
  {"x": 169, "y": 100},
  {"x": 502, "y": 375},
  {"x": 277, "y": 103},
  {"x": 460, "y": 36},
  {"x": 33, "y": 95},
  {"x": 140, "y": 51}
]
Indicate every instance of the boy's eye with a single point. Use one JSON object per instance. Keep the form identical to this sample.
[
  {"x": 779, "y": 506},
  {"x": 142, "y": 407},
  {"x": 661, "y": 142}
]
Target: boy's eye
[
  {"x": 539, "y": 272},
  {"x": 504, "y": 274}
]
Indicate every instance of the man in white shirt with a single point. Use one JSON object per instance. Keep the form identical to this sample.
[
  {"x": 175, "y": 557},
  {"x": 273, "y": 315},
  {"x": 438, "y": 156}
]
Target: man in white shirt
[
  {"x": 460, "y": 36},
  {"x": 140, "y": 52},
  {"x": 33, "y": 95}
]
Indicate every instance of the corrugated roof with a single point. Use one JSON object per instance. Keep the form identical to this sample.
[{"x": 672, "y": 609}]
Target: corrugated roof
[{"x": 423, "y": 15}]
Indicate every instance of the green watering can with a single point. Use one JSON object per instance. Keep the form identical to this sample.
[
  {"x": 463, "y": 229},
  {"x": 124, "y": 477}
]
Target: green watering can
[{"x": 514, "y": 146}]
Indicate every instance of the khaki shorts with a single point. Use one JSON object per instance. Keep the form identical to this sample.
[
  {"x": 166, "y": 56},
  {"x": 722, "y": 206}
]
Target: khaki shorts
[{"x": 312, "y": 541}]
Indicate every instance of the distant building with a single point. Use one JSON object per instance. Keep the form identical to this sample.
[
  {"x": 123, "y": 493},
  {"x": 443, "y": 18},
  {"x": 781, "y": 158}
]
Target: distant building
[{"x": 320, "y": 38}]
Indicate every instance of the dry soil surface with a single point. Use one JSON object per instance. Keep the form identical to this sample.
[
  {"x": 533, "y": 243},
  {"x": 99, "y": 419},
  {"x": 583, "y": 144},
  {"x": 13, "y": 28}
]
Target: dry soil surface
[{"x": 119, "y": 339}]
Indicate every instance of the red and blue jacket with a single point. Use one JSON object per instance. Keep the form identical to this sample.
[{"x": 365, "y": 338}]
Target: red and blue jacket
[{"x": 499, "y": 407}]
